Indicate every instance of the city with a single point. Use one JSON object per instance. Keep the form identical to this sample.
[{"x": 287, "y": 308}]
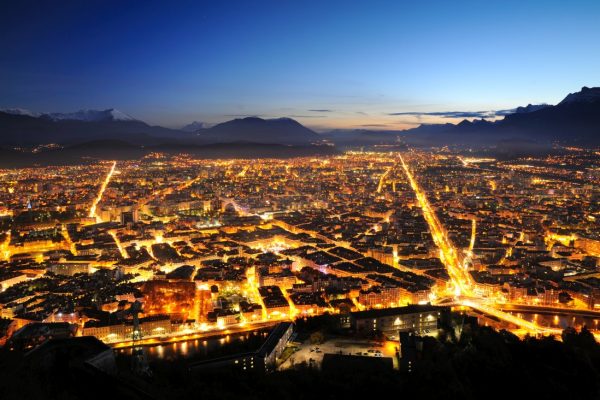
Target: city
[
  {"x": 209, "y": 246},
  {"x": 299, "y": 200}
]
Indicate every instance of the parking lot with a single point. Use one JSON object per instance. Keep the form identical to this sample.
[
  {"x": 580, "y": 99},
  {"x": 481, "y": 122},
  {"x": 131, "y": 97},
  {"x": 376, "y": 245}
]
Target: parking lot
[{"x": 312, "y": 354}]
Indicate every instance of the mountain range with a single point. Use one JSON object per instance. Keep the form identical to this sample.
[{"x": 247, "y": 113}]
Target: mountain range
[
  {"x": 23, "y": 128},
  {"x": 575, "y": 120}
]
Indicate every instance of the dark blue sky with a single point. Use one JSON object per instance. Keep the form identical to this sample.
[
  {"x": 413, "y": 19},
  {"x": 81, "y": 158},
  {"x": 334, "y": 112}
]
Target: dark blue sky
[{"x": 325, "y": 63}]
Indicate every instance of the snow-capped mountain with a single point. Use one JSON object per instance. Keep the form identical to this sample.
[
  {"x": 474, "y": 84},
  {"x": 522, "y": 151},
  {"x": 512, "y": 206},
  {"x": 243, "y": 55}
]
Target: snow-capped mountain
[
  {"x": 193, "y": 127},
  {"x": 19, "y": 128},
  {"x": 110, "y": 114},
  {"x": 20, "y": 111}
]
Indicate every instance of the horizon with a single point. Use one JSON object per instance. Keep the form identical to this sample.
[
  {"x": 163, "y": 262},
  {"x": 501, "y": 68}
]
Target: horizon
[
  {"x": 453, "y": 117},
  {"x": 390, "y": 67},
  {"x": 299, "y": 199}
]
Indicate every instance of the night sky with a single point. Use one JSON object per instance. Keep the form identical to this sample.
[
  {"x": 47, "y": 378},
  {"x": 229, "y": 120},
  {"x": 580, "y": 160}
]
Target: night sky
[{"x": 328, "y": 64}]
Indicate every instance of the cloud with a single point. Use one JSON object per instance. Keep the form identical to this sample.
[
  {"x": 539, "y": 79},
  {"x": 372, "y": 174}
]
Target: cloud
[
  {"x": 322, "y": 110},
  {"x": 308, "y": 116},
  {"x": 458, "y": 114},
  {"x": 244, "y": 116},
  {"x": 374, "y": 125}
]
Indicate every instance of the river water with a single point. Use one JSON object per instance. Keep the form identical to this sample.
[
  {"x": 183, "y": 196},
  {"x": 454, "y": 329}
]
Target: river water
[
  {"x": 203, "y": 348},
  {"x": 559, "y": 321},
  {"x": 247, "y": 341}
]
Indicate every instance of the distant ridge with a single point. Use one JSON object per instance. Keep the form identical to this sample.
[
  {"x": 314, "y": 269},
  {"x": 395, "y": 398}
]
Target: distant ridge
[
  {"x": 22, "y": 127},
  {"x": 110, "y": 114},
  {"x": 258, "y": 130},
  {"x": 575, "y": 120},
  {"x": 193, "y": 127},
  {"x": 586, "y": 95},
  {"x": 27, "y": 130}
]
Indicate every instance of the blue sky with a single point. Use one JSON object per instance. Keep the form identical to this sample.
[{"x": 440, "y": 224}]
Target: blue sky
[{"x": 329, "y": 64}]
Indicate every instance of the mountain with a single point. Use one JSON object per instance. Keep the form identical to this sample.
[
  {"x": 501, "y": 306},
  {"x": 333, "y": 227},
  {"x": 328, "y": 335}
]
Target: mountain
[
  {"x": 193, "y": 127},
  {"x": 110, "y": 114},
  {"x": 529, "y": 108},
  {"x": 575, "y": 120},
  {"x": 258, "y": 130},
  {"x": 586, "y": 95},
  {"x": 25, "y": 130},
  {"x": 89, "y": 135},
  {"x": 19, "y": 111}
]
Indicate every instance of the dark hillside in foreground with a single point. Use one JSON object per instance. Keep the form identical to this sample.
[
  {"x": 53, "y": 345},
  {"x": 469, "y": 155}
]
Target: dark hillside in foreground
[{"x": 482, "y": 364}]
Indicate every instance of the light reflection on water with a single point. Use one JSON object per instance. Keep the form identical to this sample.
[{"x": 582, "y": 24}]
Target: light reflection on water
[
  {"x": 193, "y": 347},
  {"x": 559, "y": 321}
]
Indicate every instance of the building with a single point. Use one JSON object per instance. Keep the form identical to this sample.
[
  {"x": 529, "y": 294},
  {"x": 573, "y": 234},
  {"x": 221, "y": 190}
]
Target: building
[
  {"x": 129, "y": 217},
  {"x": 112, "y": 331},
  {"x": 420, "y": 319},
  {"x": 36, "y": 333},
  {"x": 10, "y": 279},
  {"x": 70, "y": 269},
  {"x": 261, "y": 361},
  {"x": 275, "y": 343}
]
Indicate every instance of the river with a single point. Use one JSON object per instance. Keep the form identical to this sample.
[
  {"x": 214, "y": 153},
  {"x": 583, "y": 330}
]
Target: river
[{"x": 203, "y": 348}]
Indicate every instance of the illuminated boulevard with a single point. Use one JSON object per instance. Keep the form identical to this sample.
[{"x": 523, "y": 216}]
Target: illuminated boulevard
[
  {"x": 460, "y": 279},
  {"x": 212, "y": 247},
  {"x": 105, "y": 183}
]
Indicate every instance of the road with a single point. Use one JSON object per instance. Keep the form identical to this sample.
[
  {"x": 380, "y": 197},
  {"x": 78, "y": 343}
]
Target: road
[
  {"x": 459, "y": 276},
  {"x": 105, "y": 183},
  {"x": 460, "y": 279},
  {"x": 192, "y": 335}
]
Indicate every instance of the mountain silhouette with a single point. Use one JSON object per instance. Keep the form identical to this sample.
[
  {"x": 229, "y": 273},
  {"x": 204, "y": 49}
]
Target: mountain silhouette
[
  {"x": 28, "y": 130},
  {"x": 575, "y": 120},
  {"x": 258, "y": 130}
]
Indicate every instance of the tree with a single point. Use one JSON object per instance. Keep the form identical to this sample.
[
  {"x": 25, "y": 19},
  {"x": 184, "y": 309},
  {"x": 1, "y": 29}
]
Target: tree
[{"x": 317, "y": 337}]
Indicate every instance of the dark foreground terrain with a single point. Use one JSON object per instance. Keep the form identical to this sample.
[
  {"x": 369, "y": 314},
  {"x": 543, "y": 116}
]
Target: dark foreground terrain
[{"x": 483, "y": 363}]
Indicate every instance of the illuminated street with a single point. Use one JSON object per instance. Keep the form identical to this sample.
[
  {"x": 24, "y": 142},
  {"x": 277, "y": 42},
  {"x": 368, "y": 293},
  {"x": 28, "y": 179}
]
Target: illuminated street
[
  {"x": 101, "y": 192},
  {"x": 219, "y": 243},
  {"x": 299, "y": 200}
]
